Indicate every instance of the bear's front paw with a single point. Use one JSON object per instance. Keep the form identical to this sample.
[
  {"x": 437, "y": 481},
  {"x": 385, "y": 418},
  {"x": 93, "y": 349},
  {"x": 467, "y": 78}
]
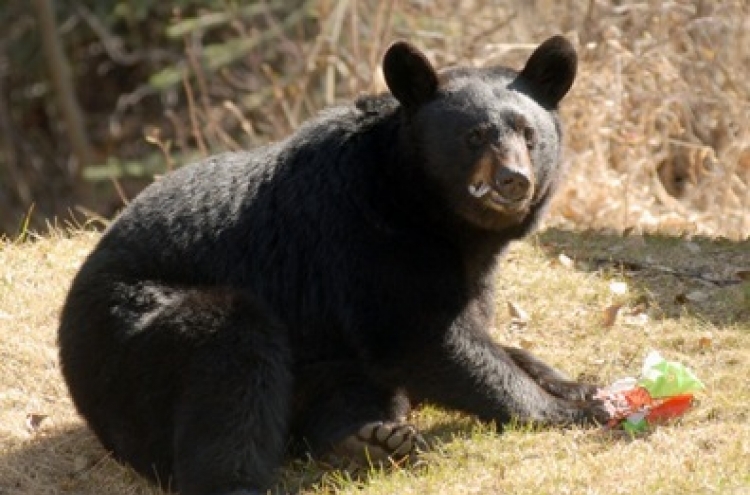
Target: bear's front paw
[
  {"x": 570, "y": 390},
  {"x": 378, "y": 442},
  {"x": 592, "y": 411}
]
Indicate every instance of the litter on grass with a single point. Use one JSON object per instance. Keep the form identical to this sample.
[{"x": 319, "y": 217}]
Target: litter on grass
[{"x": 664, "y": 391}]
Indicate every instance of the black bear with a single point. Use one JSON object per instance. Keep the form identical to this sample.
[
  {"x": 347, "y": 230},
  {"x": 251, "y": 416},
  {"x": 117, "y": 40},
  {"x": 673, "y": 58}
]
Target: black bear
[{"x": 312, "y": 291}]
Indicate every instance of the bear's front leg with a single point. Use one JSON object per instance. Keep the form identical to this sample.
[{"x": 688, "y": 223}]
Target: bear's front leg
[
  {"x": 550, "y": 379},
  {"x": 466, "y": 370}
]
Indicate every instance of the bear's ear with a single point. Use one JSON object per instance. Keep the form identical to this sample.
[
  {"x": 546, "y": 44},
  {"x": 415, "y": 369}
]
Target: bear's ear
[
  {"x": 410, "y": 77},
  {"x": 549, "y": 72}
]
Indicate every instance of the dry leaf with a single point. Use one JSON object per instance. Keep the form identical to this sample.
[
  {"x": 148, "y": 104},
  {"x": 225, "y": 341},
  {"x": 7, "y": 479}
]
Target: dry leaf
[
  {"x": 565, "y": 260},
  {"x": 610, "y": 315},
  {"x": 638, "y": 320},
  {"x": 696, "y": 296},
  {"x": 517, "y": 313},
  {"x": 618, "y": 288},
  {"x": 34, "y": 421},
  {"x": 706, "y": 340},
  {"x": 743, "y": 274}
]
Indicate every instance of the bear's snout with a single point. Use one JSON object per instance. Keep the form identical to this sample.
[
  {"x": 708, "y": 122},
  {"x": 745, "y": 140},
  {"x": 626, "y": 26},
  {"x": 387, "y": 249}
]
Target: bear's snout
[
  {"x": 512, "y": 184},
  {"x": 503, "y": 178}
]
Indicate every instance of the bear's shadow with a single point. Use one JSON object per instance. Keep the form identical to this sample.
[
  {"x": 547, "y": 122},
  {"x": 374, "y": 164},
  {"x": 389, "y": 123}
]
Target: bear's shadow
[
  {"x": 65, "y": 460},
  {"x": 660, "y": 266},
  {"x": 71, "y": 460}
]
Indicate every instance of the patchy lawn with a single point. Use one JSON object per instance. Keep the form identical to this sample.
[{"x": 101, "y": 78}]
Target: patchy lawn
[{"x": 684, "y": 298}]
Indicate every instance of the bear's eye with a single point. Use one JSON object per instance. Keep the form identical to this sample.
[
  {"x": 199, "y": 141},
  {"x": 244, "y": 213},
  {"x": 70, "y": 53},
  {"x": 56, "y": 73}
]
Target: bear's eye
[
  {"x": 530, "y": 136},
  {"x": 478, "y": 136},
  {"x": 521, "y": 125}
]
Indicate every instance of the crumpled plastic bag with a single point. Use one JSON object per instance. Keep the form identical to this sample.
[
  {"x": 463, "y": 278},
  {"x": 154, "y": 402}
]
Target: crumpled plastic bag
[
  {"x": 664, "y": 391},
  {"x": 664, "y": 378}
]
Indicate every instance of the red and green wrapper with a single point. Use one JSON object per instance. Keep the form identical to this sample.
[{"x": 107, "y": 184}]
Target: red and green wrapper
[{"x": 664, "y": 391}]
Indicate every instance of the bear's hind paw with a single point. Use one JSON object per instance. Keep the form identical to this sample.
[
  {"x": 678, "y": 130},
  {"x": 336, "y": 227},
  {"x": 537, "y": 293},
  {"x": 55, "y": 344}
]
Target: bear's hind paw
[{"x": 380, "y": 442}]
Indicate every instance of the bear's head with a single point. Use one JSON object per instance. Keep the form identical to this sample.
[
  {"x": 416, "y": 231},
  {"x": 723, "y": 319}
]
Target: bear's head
[{"x": 488, "y": 138}]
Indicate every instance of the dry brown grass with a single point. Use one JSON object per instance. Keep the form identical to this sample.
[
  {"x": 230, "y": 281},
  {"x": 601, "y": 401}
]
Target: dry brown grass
[
  {"x": 658, "y": 120},
  {"x": 707, "y": 452}
]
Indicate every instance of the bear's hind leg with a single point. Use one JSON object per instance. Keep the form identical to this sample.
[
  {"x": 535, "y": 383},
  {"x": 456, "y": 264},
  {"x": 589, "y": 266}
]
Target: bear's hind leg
[
  {"x": 342, "y": 416},
  {"x": 379, "y": 441},
  {"x": 232, "y": 420}
]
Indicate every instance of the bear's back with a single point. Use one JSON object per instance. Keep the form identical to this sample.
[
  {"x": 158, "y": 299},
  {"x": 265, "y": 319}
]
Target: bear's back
[{"x": 209, "y": 222}]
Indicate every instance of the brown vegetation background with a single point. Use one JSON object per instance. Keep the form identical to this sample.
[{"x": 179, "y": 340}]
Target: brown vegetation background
[{"x": 98, "y": 97}]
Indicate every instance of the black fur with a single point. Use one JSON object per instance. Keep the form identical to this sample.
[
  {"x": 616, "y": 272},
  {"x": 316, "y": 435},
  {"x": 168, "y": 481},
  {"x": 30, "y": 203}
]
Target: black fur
[{"x": 298, "y": 291}]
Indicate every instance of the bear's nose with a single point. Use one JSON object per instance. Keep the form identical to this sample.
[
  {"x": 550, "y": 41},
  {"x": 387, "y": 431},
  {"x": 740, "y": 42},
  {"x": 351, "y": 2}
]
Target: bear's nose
[{"x": 511, "y": 184}]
